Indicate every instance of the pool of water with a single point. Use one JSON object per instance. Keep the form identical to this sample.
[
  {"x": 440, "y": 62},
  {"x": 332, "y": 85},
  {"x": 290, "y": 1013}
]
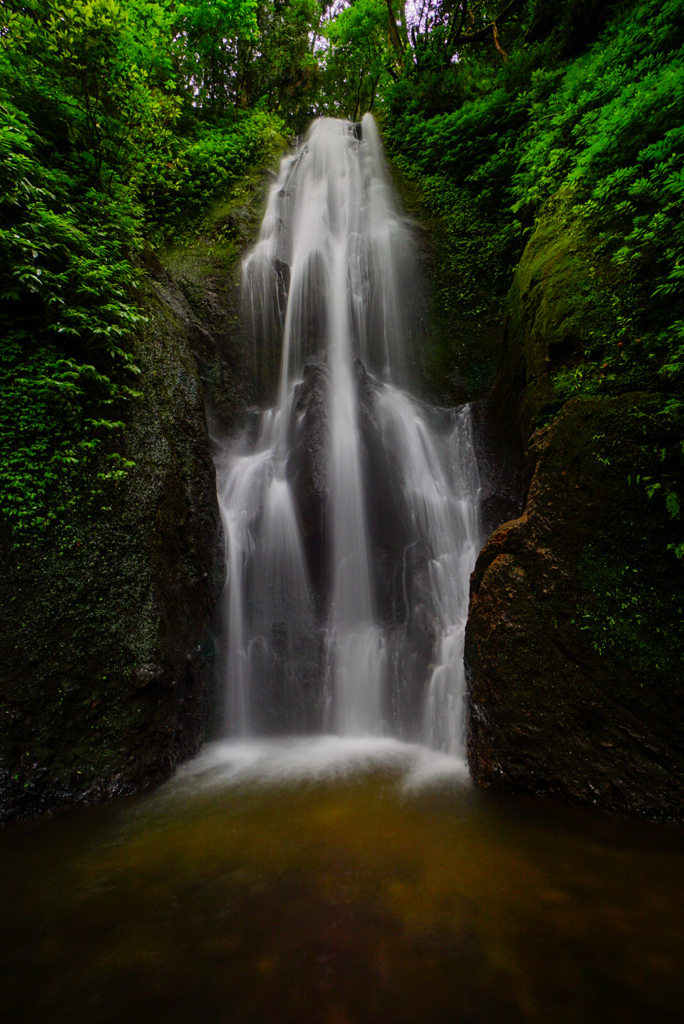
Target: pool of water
[{"x": 338, "y": 881}]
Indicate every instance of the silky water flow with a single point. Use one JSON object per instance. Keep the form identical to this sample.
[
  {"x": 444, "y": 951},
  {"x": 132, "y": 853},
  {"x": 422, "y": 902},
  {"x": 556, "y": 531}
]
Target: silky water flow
[{"x": 350, "y": 509}]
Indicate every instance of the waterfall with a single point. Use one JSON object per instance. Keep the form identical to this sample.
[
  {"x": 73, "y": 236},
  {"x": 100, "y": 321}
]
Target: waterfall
[{"x": 350, "y": 513}]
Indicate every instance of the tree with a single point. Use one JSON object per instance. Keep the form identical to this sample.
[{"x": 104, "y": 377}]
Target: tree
[
  {"x": 211, "y": 37},
  {"x": 454, "y": 24},
  {"x": 357, "y": 58},
  {"x": 101, "y": 67}
]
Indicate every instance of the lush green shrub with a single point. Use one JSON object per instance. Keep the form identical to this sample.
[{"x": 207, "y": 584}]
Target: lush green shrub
[
  {"x": 65, "y": 311},
  {"x": 177, "y": 184},
  {"x": 605, "y": 127},
  {"x": 611, "y": 137},
  {"x": 582, "y": 124},
  {"x": 95, "y": 158}
]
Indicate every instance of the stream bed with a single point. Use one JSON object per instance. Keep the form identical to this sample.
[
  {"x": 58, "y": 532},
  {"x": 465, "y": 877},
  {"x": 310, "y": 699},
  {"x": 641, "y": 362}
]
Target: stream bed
[{"x": 336, "y": 881}]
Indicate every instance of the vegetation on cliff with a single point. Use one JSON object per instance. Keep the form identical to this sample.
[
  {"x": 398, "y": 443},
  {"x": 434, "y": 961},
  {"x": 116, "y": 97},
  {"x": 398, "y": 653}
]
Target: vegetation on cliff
[
  {"x": 582, "y": 125},
  {"x": 107, "y": 142},
  {"x": 122, "y": 120}
]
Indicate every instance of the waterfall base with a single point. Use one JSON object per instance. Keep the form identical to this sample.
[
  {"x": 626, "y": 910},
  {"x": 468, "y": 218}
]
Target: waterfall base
[{"x": 334, "y": 880}]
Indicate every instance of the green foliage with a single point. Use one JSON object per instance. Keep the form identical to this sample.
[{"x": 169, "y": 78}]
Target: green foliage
[
  {"x": 279, "y": 71},
  {"x": 609, "y": 140},
  {"x": 61, "y": 256},
  {"x": 473, "y": 241},
  {"x": 355, "y": 71},
  {"x": 65, "y": 310},
  {"x": 99, "y": 66},
  {"x": 603, "y": 129},
  {"x": 581, "y": 125},
  {"x": 207, "y": 45},
  {"x": 48, "y": 440},
  {"x": 178, "y": 183},
  {"x": 610, "y": 136},
  {"x": 97, "y": 153},
  {"x": 80, "y": 93},
  {"x": 627, "y": 618},
  {"x": 468, "y": 154}
]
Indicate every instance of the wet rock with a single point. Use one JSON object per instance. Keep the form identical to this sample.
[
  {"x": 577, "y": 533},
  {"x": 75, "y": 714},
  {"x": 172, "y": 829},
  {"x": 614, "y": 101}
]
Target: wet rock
[
  {"x": 389, "y": 527},
  {"x": 500, "y": 458},
  {"x": 554, "y": 311},
  {"x": 308, "y": 472},
  {"x": 401, "y": 569},
  {"x": 107, "y": 676},
  {"x": 573, "y": 645},
  {"x": 287, "y": 682}
]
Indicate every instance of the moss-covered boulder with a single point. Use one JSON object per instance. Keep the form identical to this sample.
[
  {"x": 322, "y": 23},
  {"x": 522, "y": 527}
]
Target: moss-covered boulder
[
  {"x": 198, "y": 278},
  {"x": 574, "y": 645},
  {"x": 456, "y": 329},
  {"x": 559, "y": 306}
]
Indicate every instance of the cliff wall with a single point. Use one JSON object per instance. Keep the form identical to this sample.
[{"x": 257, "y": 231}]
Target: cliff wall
[
  {"x": 107, "y": 676},
  {"x": 574, "y": 644}
]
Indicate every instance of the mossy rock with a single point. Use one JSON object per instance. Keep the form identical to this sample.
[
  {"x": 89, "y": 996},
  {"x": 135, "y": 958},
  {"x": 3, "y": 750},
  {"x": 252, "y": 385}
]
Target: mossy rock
[
  {"x": 559, "y": 309},
  {"x": 107, "y": 676},
  {"x": 574, "y": 644}
]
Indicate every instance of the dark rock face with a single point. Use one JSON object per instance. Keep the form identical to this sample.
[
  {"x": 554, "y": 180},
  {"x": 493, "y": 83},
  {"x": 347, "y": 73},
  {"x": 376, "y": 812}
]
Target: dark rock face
[
  {"x": 107, "y": 674},
  {"x": 389, "y": 528},
  {"x": 454, "y": 349},
  {"x": 500, "y": 459},
  {"x": 574, "y": 649},
  {"x": 106, "y": 677},
  {"x": 308, "y": 472},
  {"x": 400, "y": 568}
]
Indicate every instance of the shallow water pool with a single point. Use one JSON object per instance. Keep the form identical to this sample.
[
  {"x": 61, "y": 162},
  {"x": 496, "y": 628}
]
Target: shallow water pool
[{"x": 339, "y": 881}]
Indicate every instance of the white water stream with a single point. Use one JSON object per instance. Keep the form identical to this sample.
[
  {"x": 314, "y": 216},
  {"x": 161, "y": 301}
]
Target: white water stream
[{"x": 351, "y": 518}]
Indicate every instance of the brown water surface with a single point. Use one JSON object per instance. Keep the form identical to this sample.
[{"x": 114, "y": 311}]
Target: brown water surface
[{"x": 330, "y": 882}]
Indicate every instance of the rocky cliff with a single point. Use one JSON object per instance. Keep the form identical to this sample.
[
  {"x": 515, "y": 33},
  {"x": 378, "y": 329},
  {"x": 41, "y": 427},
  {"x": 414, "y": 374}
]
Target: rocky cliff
[
  {"x": 574, "y": 644},
  {"x": 107, "y": 677}
]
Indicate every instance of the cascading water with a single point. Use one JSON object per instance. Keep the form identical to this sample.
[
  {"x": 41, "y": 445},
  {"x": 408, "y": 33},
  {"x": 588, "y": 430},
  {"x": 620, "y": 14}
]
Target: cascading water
[{"x": 351, "y": 513}]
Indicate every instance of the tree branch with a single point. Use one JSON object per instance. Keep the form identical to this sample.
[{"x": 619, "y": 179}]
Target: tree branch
[
  {"x": 472, "y": 37},
  {"x": 497, "y": 43},
  {"x": 395, "y": 38},
  {"x": 455, "y": 33}
]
